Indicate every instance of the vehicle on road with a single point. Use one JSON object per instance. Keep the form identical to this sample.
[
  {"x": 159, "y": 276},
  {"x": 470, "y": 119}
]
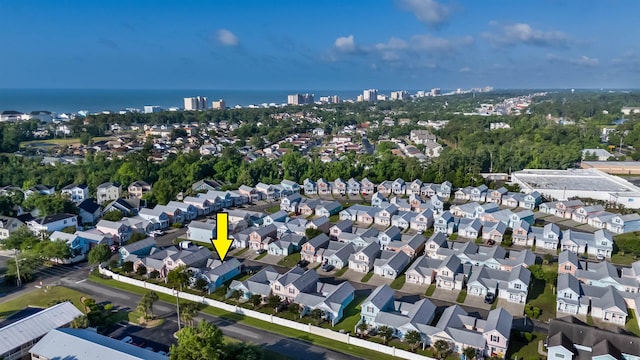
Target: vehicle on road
[
  {"x": 600, "y": 257},
  {"x": 127, "y": 339},
  {"x": 327, "y": 267}
]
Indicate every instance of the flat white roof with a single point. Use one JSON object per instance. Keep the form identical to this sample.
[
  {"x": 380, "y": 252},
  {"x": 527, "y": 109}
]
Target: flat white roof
[{"x": 574, "y": 179}]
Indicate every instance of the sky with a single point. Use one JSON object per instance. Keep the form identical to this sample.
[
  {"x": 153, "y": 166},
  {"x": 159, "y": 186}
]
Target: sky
[{"x": 329, "y": 44}]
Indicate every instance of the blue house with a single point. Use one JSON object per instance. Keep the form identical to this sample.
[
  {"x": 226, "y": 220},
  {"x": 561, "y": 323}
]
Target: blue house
[
  {"x": 289, "y": 187},
  {"x": 139, "y": 248},
  {"x": 220, "y": 272},
  {"x": 310, "y": 187},
  {"x": 378, "y": 199}
]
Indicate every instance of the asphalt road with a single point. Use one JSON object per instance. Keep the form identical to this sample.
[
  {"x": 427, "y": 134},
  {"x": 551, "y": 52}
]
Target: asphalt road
[{"x": 159, "y": 338}]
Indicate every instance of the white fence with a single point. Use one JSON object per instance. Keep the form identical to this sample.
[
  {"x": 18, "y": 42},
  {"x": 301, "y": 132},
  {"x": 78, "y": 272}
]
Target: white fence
[{"x": 327, "y": 333}]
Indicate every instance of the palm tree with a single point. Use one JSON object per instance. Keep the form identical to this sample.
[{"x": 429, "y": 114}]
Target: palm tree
[
  {"x": 188, "y": 310},
  {"x": 143, "y": 306},
  {"x": 80, "y": 322},
  {"x": 413, "y": 338},
  {"x": 442, "y": 347},
  {"x": 385, "y": 333},
  {"x": 362, "y": 328},
  {"x": 469, "y": 353},
  {"x": 316, "y": 315}
]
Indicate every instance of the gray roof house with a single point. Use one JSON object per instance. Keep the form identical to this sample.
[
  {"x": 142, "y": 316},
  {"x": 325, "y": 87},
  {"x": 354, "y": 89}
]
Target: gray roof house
[
  {"x": 331, "y": 299},
  {"x": 337, "y": 254},
  {"x": 258, "y": 284},
  {"x": 512, "y": 286},
  {"x": 390, "y": 264},
  {"x": 218, "y": 272},
  {"x": 362, "y": 260}
]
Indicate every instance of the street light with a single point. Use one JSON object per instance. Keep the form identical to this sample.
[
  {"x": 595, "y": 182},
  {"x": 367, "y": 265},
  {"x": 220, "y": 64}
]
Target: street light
[{"x": 18, "y": 280}]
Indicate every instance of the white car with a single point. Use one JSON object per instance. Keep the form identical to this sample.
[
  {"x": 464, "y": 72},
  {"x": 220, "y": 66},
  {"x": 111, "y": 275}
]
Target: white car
[{"x": 127, "y": 339}]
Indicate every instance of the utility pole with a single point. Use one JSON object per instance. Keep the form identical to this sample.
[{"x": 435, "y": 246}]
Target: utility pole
[{"x": 18, "y": 280}]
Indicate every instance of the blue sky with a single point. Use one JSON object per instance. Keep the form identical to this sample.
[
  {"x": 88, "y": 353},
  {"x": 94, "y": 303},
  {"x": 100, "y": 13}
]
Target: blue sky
[{"x": 330, "y": 44}]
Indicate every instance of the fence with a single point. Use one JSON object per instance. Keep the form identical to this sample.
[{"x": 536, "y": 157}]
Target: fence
[{"x": 327, "y": 333}]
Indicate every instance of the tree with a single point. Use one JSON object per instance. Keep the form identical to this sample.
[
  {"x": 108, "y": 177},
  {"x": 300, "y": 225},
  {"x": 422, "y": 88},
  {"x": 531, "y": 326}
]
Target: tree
[
  {"x": 310, "y": 233},
  {"x": 469, "y": 353},
  {"x": 236, "y": 295},
  {"x": 204, "y": 341},
  {"x": 255, "y": 300},
  {"x": 188, "y": 310},
  {"x": 143, "y": 306},
  {"x": 154, "y": 274},
  {"x": 362, "y": 328},
  {"x": 273, "y": 301},
  {"x": 57, "y": 249},
  {"x": 178, "y": 277},
  {"x": 201, "y": 284},
  {"x": 442, "y": 347},
  {"x": 99, "y": 254},
  {"x": 21, "y": 239},
  {"x": 316, "y": 315},
  {"x": 385, "y": 333},
  {"x": 141, "y": 270},
  {"x": 127, "y": 266},
  {"x": 413, "y": 338},
  {"x": 241, "y": 351},
  {"x": 152, "y": 298},
  {"x": 113, "y": 215},
  {"x": 80, "y": 322}
]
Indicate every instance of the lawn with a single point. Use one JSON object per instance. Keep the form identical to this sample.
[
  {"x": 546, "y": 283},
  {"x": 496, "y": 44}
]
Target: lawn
[
  {"x": 290, "y": 260},
  {"x": 367, "y": 277},
  {"x": 277, "y": 329},
  {"x": 398, "y": 282},
  {"x": 521, "y": 348},
  {"x": 461, "y": 296},
  {"x": 541, "y": 295},
  {"x": 334, "y": 218},
  {"x": 351, "y": 315},
  {"x": 242, "y": 251},
  {"x": 261, "y": 255},
  {"x": 272, "y": 209},
  {"x": 632, "y": 323},
  {"x": 40, "y": 298},
  {"x": 341, "y": 271},
  {"x": 430, "y": 290},
  {"x": 623, "y": 259}
]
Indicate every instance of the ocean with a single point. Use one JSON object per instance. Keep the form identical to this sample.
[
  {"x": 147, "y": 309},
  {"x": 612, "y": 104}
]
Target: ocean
[{"x": 94, "y": 100}]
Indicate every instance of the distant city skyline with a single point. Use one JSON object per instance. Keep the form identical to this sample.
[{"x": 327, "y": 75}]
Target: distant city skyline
[{"x": 245, "y": 45}]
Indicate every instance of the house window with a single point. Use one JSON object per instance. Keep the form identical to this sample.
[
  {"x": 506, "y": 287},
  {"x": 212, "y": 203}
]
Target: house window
[
  {"x": 277, "y": 287},
  {"x": 559, "y": 356},
  {"x": 604, "y": 243},
  {"x": 432, "y": 246},
  {"x": 495, "y": 338},
  {"x": 516, "y": 286},
  {"x": 567, "y": 295},
  {"x": 567, "y": 267},
  {"x": 292, "y": 291},
  {"x": 370, "y": 309}
]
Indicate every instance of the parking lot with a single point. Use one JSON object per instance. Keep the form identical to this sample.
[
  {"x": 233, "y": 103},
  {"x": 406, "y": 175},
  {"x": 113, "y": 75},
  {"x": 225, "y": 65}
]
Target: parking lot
[{"x": 149, "y": 337}]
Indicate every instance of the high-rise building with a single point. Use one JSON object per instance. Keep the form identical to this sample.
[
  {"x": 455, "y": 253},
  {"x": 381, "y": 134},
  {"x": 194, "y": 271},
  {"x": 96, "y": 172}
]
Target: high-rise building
[
  {"x": 400, "y": 95},
  {"x": 220, "y": 104},
  {"x": 435, "y": 92},
  {"x": 300, "y": 99},
  {"x": 195, "y": 103},
  {"x": 370, "y": 95},
  {"x": 148, "y": 109}
]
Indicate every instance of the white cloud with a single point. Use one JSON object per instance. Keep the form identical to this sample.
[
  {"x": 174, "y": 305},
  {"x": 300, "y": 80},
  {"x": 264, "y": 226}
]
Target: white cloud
[
  {"x": 583, "y": 60},
  {"x": 520, "y": 33},
  {"x": 430, "y": 12},
  {"x": 227, "y": 38},
  {"x": 345, "y": 43},
  {"x": 465, "y": 69}
]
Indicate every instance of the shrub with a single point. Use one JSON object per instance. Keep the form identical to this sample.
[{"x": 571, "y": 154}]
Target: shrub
[{"x": 108, "y": 307}]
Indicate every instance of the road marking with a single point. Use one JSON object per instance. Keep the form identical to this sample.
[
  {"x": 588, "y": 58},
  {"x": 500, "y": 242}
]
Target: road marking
[
  {"x": 77, "y": 267},
  {"x": 81, "y": 281}
]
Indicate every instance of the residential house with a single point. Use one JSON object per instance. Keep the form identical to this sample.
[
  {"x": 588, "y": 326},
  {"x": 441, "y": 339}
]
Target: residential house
[
  {"x": 495, "y": 196},
  {"x": 331, "y": 299},
  {"x": 434, "y": 243},
  {"x": 294, "y": 282},
  {"x": 52, "y": 223},
  {"x": 339, "y": 187},
  {"x": 259, "y": 238},
  {"x": 377, "y": 200},
  {"x": 521, "y": 234},
  {"x": 511, "y": 285},
  {"x": 308, "y": 207},
  {"x": 398, "y": 187},
  {"x": 621, "y": 224},
  {"x": 139, "y": 248},
  {"x": 257, "y": 284},
  {"x": 203, "y": 205},
  {"x": 328, "y": 209},
  {"x": 547, "y": 237},
  {"x": 290, "y": 187},
  {"x": 89, "y": 212},
  {"x": 469, "y": 228},
  {"x": 367, "y": 187},
  {"x": 138, "y": 188},
  {"x": 390, "y": 264},
  {"x": 448, "y": 273},
  {"x": 353, "y": 187},
  {"x": 383, "y": 217},
  {"x": 596, "y": 244},
  {"x": 250, "y": 193},
  {"x": 422, "y": 221},
  {"x": 388, "y": 235},
  {"x": 385, "y": 187},
  {"x": 108, "y": 191},
  {"x": 120, "y": 232},
  {"x": 266, "y": 191},
  {"x": 205, "y": 185},
  {"x": 512, "y": 200},
  {"x": 290, "y": 203},
  {"x": 402, "y": 219},
  {"x": 380, "y": 308},
  {"x": 201, "y": 231},
  {"x": 445, "y": 223},
  {"x": 311, "y": 249},
  {"x": 493, "y": 232},
  {"x": 278, "y": 216},
  {"x": 362, "y": 260},
  {"x": 76, "y": 192},
  {"x": 287, "y": 245},
  {"x": 583, "y": 213},
  {"x": 337, "y": 254},
  {"x": 40, "y": 189},
  {"x": 9, "y": 225},
  {"x": 343, "y": 226},
  {"x": 530, "y": 201},
  {"x": 414, "y": 187},
  {"x": 309, "y": 187},
  {"x": 324, "y": 188},
  {"x": 217, "y": 273},
  {"x": 156, "y": 216},
  {"x": 410, "y": 245}
]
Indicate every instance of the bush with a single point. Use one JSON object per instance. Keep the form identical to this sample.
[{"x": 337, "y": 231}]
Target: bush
[
  {"x": 108, "y": 307},
  {"x": 527, "y": 336},
  {"x": 154, "y": 274},
  {"x": 177, "y": 225},
  {"x": 89, "y": 302}
]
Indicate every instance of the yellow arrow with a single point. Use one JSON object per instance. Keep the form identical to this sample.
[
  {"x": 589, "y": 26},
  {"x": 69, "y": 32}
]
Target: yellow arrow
[{"x": 221, "y": 242}]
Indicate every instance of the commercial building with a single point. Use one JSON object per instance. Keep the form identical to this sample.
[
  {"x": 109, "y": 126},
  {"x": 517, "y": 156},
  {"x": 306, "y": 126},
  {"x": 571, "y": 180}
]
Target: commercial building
[
  {"x": 370, "y": 95},
  {"x": 400, "y": 95},
  {"x": 195, "y": 103},
  {"x": 17, "y": 337},
  {"x": 613, "y": 167},
  {"x": 579, "y": 183},
  {"x": 148, "y": 109}
]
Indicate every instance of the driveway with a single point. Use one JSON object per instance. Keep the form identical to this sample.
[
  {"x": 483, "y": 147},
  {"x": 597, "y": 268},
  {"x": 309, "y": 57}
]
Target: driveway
[
  {"x": 513, "y": 308},
  {"x": 271, "y": 259},
  {"x": 353, "y": 275},
  {"x": 414, "y": 288},
  {"x": 446, "y": 295},
  {"x": 377, "y": 280},
  {"x": 477, "y": 301}
]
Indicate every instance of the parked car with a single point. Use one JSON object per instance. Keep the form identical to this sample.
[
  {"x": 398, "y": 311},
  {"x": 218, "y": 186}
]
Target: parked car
[
  {"x": 260, "y": 251},
  {"x": 127, "y": 339},
  {"x": 600, "y": 257},
  {"x": 303, "y": 263},
  {"x": 327, "y": 267},
  {"x": 489, "y": 298}
]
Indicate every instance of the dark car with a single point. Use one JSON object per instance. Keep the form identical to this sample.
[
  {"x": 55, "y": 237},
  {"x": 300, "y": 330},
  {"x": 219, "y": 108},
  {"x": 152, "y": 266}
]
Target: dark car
[
  {"x": 327, "y": 267},
  {"x": 303, "y": 263},
  {"x": 489, "y": 298}
]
